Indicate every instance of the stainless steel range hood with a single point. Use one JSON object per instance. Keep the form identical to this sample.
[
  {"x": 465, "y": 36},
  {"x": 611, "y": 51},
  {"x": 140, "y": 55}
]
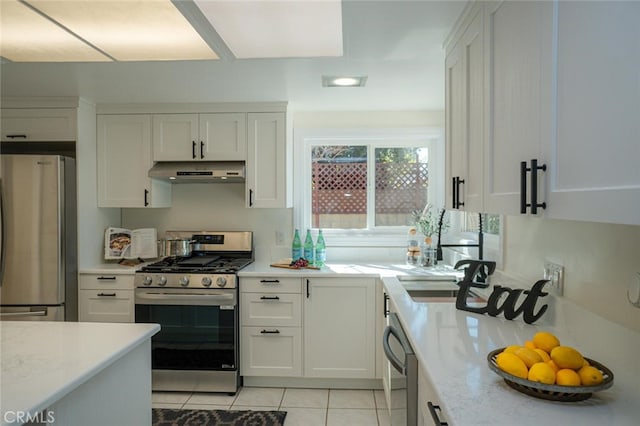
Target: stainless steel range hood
[{"x": 199, "y": 171}]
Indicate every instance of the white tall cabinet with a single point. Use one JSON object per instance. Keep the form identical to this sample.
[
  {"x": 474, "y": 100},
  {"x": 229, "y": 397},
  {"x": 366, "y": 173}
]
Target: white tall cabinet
[
  {"x": 124, "y": 160},
  {"x": 560, "y": 87}
]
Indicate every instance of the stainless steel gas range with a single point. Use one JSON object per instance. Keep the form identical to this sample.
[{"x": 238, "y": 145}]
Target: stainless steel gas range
[{"x": 195, "y": 300}]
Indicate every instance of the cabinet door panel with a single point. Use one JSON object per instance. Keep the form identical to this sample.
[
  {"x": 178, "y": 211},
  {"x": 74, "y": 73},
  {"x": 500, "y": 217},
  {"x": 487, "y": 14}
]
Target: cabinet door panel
[
  {"x": 106, "y": 306},
  {"x": 39, "y": 125},
  {"x": 518, "y": 68},
  {"x": 339, "y": 323},
  {"x": 279, "y": 309},
  {"x": 454, "y": 121},
  {"x": 175, "y": 137},
  {"x": 224, "y": 137},
  {"x": 266, "y": 160},
  {"x": 598, "y": 99},
  {"x": 124, "y": 159}
]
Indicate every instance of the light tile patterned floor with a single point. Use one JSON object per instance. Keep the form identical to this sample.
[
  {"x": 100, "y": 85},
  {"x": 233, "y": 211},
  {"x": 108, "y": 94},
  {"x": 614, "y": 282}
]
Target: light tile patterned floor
[{"x": 304, "y": 407}]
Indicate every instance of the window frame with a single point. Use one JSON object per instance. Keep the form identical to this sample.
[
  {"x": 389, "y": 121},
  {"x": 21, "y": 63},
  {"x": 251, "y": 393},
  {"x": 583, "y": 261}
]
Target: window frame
[{"x": 392, "y": 236}]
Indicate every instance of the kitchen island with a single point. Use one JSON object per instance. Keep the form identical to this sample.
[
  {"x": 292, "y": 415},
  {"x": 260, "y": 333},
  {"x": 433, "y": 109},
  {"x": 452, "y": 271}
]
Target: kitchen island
[
  {"x": 80, "y": 373},
  {"x": 452, "y": 347}
]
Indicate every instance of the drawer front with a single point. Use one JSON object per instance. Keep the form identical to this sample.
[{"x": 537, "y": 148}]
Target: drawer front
[
  {"x": 40, "y": 125},
  {"x": 271, "y": 351},
  {"x": 106, "y": 306},
  {"x": 271, "y": 309},
  {"x": 105, "y": 281},
  {"x": 271, "y": 285}
]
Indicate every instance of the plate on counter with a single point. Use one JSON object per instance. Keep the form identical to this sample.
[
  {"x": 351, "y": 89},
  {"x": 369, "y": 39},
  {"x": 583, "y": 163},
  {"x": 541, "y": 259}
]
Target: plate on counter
[{"x": 552, "y": 392}]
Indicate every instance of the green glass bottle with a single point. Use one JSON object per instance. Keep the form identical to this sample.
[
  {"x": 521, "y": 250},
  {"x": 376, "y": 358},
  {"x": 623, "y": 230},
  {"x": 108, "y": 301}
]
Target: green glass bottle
[
  {"x": 296, "y": 247},
  {"x": 321, "y": 250},
  {"x": 308, "y": 247}
]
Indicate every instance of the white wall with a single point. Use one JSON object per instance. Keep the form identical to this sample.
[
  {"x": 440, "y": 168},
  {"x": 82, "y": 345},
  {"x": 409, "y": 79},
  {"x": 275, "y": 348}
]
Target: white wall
[
  {"x": 217, "y": 207},
  {"x": 354, "y": 119},
  {"x": 600, "y": 261}
]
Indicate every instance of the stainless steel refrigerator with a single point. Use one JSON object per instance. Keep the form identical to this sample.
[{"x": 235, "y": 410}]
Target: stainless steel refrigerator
[{"x": 38, "y": 256}]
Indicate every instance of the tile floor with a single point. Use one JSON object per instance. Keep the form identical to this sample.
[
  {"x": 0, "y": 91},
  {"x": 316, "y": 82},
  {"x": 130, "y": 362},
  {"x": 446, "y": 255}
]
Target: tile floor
[{"x": 304, "y": 407}]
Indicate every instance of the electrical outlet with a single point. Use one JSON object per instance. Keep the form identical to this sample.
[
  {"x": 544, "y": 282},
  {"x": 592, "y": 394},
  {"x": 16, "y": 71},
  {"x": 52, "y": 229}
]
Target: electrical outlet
[
  {"x": 279, "y": 238},
  {"x": 555, "y": 274}
]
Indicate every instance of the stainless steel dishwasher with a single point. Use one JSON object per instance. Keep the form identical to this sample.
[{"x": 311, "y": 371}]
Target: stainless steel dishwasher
[{"x": 400, "y": 378}]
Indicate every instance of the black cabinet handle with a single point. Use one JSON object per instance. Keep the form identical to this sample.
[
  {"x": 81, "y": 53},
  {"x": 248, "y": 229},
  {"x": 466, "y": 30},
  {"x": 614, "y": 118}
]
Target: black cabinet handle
[
  {"x": 385, "y": 305},
  {"x": 193, "y": 149},
  {"x": 269, "y": 298},
  {"x": 308, "y": 293},
  {"x": 534, "y": 186},
  {"x": 458, "y": 182},
  {"x": 201, "y": 149},
  {"x": 102, "y": 278},
  {"x": 17, "y": 136},
  {"x": 107, "y": 294},
  {"x": 454, "y": 197},
  {"x": 270, "y": 281},
  {"x": 250, "y": 197},
  {"x": 434, "y": 415},
  {"x": 146, "y": 197},
  {"x": 270, "y": 332}
]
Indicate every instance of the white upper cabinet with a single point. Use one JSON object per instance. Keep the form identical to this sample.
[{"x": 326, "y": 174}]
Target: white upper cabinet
[
  {"x": 124, "y": 160},
  {"x": 199, "y": 137},
  {"x": 464, "y": 66},
  {"x": 594, "y": 172},
  {"x": 39, "y": 125},
  {"x": 266, "y": 157},
  {"x": 517, "y": 100}
]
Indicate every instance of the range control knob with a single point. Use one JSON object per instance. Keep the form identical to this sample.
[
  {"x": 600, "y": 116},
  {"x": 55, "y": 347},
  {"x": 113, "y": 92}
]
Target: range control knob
[
  {"x": 163, "y": 280},
  {"x": 206, "y": 281},
  {"x": 221, "y": 281},
  {"x": 147, "y": 280},
  {"x": 184, "y": 281}
]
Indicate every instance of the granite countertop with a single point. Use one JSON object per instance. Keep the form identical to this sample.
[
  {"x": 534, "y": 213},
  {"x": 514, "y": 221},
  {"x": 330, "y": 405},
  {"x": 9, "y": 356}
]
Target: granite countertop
[
  {"x": 43, "y": 361},
  {"x": 452, "y": 346}
]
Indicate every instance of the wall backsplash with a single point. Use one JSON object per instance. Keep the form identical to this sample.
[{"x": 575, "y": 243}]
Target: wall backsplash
[
  {"x": 217, "y": 207},
  {"x": 600, "y": 261}
]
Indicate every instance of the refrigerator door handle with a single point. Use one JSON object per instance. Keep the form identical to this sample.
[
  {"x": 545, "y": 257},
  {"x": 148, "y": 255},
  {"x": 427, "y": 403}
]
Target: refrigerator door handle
[
  {"x": 2, "y": 235},
  {"x": 41, "y": 313}
]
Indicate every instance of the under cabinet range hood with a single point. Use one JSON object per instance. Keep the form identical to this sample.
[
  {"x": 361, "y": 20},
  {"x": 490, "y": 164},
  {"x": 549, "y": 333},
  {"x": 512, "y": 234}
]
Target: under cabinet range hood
[{"x": 199, "y": 171}]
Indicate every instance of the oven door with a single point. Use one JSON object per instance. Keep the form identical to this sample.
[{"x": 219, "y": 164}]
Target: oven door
[{"x": 198, "y": 328}]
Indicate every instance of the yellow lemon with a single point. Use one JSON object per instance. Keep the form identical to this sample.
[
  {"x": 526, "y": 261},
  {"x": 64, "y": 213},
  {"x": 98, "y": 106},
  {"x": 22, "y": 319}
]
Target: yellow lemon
[
  {"x": 553, "y": 365},
  {"x": 567, "y": 377},
  {"x": 542, "y": 372},
  {"x": 545, "y": 341},
  {"x": 512, "y": 349},
  {"x": 567, "y": 357},
  {"x": 512, "y": 364},
  {"x": 529, "y": 344},
  {"x": 590, "y": 376},
  {"x": 529, "y": 356},
  {"x": 545, "y": 356},
  {"x": 585, "y": 363}
]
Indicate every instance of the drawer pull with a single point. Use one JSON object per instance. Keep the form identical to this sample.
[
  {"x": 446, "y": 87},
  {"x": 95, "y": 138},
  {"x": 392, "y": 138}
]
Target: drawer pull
[
  {"x": 269, "y": 298},
  {"x": 434, "y": 414},
  {"x": 270, "y": 332},
  {"x": 20, "y": 136},
  {"x": 270, "y": 281},
  {"x": 106, "y": 294},
  {"x": 106, "y": 278}
]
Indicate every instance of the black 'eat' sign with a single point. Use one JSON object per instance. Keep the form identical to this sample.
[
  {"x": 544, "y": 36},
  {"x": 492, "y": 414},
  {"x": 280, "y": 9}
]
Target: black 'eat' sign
[{"x": 508, "y": 306}]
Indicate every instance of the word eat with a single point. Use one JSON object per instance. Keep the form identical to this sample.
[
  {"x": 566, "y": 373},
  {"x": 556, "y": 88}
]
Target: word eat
[{"x": 508, "y": 306}]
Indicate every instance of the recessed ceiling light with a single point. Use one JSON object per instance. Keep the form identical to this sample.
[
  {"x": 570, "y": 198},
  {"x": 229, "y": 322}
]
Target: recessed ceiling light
[{"x": 343, "y": 81}]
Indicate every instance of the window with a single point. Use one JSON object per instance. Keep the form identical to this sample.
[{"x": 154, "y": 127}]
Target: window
[{"x": 357, "y": 184}]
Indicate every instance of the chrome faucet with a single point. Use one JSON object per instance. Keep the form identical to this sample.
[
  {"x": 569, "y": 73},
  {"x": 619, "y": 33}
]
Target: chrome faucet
[{"x": 440, "y": 245}]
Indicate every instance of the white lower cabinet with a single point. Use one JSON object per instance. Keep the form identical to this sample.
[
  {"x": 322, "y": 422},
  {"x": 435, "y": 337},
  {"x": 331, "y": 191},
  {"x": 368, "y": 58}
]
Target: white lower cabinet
[
  {"x": 308, "y": 327},
  {"x": 271, "y": 327},
  {"x": 106, "y": 298},
  {"x": 426, "y": 396},
  {"x": 339, "y": 328}
]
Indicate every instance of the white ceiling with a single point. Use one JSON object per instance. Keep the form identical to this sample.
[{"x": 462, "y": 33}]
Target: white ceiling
[{"x": 397, "y": 44}]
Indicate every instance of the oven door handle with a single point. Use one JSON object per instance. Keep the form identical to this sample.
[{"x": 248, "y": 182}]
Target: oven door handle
[{"x": 182, "y": 299}]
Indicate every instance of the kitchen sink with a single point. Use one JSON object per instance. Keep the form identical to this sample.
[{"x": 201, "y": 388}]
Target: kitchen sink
[{"x": 441, "y": 296}]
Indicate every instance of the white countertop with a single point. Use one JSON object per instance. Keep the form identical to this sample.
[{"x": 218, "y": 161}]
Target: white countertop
[
  {"x": 452, "y": 347},
  {"x": 114, "y": 268},
  {"x": 41, "y": 362}
]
